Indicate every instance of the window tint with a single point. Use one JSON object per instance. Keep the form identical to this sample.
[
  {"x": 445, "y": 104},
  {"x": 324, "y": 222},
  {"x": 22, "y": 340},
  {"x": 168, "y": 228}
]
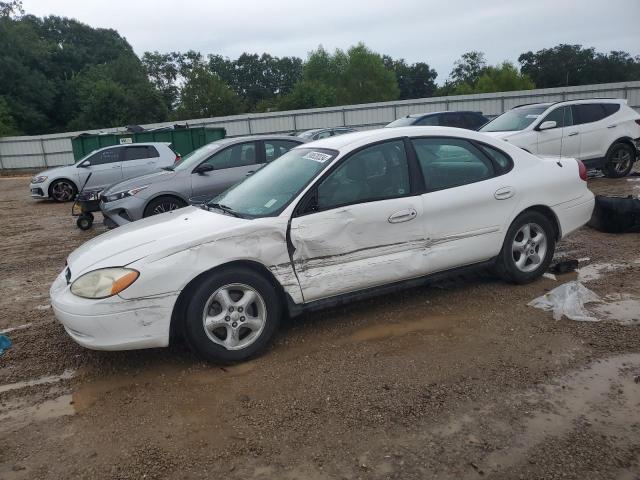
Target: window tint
[
  {"x": 474, "y": 121},
  {"x": 502, "y": 162},
  {"x": 562, "y": 116},
  {"x": 430, "y": 121},
  {"x": 453, "y": 120},
  {"x": 274, "y": 148},
  {"x": 610, "y": 108},
  {"x": 377, "y": 172},
  {"x": 589, "y": 112},
  {"x": 236, "y": 156},
  {"x": 110, "y": 155},
  {"x": 325, "y": 134},
  {"x": 136, "y": 153},
  {"x": 450, "y": 162}
]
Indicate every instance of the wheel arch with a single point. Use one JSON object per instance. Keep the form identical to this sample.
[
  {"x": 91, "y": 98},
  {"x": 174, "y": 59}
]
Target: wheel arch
[
  {"x": 167, "y": 194},
  {"x": 547, "y": 212},
  {"x": 179, "y": 309},
  {"x": 624, "y": 140}
]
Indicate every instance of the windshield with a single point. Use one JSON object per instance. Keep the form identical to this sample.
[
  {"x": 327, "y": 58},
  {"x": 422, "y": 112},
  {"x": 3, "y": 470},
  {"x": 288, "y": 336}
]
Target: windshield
[
  {"x": 273, "y": 187},
  {"x": 195, "y": 158},
  {"x": 514, "y": 120},
  {"x": 402, "y": 122}
]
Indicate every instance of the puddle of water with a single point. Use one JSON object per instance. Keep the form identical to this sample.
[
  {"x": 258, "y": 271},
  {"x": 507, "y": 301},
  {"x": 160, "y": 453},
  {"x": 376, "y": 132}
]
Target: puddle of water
[
  {"x": 13, "y": 329},
  {"x": 595, "y": 270},
  {"x": 67, "y": 374},
  {"x": 47, "y": 410},
  {"x": 377, "y": 332},
  {"x": 625, "y": 311}
]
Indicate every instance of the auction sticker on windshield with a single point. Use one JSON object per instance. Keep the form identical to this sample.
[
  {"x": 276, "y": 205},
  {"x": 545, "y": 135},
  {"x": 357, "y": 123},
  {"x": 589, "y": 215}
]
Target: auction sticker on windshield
[{"x": 317, "y": 157}]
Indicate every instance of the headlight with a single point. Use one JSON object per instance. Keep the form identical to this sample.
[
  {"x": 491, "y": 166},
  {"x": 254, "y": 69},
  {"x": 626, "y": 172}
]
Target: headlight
[
  {"x": 104, "y": 282},
  {"x": 123, "y": 194},
  {"x": 38, "y": 179}
]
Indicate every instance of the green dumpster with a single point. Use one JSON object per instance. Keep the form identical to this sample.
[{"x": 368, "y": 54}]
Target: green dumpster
[{"x": 184, "y": 140}]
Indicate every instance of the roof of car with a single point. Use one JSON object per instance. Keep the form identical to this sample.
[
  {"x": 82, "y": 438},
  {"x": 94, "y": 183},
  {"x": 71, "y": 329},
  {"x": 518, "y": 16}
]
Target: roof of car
[
  {"x": 428, "y": 114},
  {"x": 247, "y": 138},
  {"x": 574, "y": 100}
]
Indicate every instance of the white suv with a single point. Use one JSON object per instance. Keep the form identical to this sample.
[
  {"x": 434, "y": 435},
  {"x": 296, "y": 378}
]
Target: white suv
[{"x": 603, "y": 133}]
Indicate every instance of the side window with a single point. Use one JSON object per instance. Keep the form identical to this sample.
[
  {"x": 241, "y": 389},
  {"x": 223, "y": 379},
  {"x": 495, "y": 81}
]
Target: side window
[
  {"x": 136, "y": 153},
  {"x": 110, "y": 155},
  {"x": 562, "y": 116},
  {"x": 451, "y": 162},
  {"x": 275, "y": 148},
  {"x": 453, "y": 120},
  {"x": 474, "y": 121},
  {"x": 589, "y": 112},
  {"x": 238, "y": 155},
  {"x": 430, "y": 121},
  {"x": 611, "y": 108},
  {"x": 502, "y": 162},
  {"x": 377, "y": 172},
  {"x": 321, "y": 135}
]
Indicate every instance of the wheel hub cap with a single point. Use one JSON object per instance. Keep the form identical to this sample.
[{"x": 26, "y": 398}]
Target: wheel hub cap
[{"x": 529, "y": 247}]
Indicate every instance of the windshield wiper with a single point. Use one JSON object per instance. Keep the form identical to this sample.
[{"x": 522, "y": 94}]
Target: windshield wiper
[{"x": 224, "y": 208}]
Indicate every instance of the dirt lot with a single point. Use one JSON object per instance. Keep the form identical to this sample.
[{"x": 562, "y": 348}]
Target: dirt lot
[{"x": 457, "y": 380}]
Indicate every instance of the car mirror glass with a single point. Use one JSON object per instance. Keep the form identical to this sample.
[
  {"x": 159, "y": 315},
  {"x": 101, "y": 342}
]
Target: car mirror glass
[{"x": 547, "y": 125}]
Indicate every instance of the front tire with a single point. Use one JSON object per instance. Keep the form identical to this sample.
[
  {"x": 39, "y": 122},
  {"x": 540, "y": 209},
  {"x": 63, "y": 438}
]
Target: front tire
[
  {"x": 232, "y": 316},
  {"x": 528, "y": 248},
  {"x": 619, "y": 161},
  {"x": 162, "y": 205},
  {"x": 63, "y": 190}
]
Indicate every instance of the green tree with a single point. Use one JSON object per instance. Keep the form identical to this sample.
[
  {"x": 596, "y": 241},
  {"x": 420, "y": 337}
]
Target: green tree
[
  {"x": 204, "y": 94},
  {"x": 415, "y": 81},
  {"x": 163, "y": 70},
  {"x": 501, "y": 78},
  {"x": 7, "y": 124},
  {"x": 468, "y": 68},
  {"x": 11, "y": 8}
]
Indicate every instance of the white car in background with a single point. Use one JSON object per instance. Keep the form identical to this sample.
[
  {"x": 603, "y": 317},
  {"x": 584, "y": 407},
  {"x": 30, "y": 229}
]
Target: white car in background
[
  {"x": 340, "y": 218},
  {"x": 106, "y": 165},
  {"x": 603, "y": 133}
]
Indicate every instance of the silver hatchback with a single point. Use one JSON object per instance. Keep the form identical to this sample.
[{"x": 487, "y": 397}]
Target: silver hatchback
[{"x": 205, "y": 172}]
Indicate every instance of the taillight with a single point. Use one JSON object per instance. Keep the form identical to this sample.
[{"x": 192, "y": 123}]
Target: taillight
[
  {"x": 178, "y": 158},
  {"x": 582, "y": 170}
]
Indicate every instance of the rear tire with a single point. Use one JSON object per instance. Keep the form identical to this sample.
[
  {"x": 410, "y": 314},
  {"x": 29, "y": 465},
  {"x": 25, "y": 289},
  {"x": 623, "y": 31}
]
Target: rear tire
[
  {"x": 63, "y": 190},
  {"x": 232, "y": 315},
  {"x": 528, "y": 248},
  {"x": 162, "y": 205},
  {"x": 619, "y": 161}
]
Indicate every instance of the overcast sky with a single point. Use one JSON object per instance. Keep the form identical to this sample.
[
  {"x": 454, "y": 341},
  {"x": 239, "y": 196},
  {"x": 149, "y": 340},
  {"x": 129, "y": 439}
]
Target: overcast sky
[{"x": 432, "y": 31}]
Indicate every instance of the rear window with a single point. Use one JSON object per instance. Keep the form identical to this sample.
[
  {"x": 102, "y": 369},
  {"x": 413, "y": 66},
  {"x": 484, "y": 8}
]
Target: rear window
[
  {"x": 137, "y": 153},
  {"x": 611, "y": 108}
]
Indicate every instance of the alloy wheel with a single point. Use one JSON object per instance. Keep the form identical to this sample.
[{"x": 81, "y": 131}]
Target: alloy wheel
[{"x": 529, "y": 247}]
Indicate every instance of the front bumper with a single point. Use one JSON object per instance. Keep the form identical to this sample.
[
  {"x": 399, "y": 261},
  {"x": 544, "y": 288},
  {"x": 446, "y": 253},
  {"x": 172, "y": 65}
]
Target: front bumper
[
  {"x": 38, "y": 190},
  {"x": 113, "y": 323},
  {"x": 123, "y": 211}
]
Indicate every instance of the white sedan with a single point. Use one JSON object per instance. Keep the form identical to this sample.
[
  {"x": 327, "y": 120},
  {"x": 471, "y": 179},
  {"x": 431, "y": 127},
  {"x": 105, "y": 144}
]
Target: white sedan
[{"x": 337, "y": 219}]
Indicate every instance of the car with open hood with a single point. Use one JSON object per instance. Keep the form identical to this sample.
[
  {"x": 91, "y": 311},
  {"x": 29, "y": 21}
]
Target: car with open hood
[{"x": 341, "y": 218}]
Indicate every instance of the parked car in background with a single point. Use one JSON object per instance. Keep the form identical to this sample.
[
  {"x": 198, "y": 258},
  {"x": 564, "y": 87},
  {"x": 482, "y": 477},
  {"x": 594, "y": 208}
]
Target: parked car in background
[
  {"x": 468, "y": 120},
  {"x": 320, "y": 133},
  {"x": 603, "y": 133},
  {"x": 337, "y": 219},
  {"x": 207, "y": 171},
  {"x": 106, "y": 165}
]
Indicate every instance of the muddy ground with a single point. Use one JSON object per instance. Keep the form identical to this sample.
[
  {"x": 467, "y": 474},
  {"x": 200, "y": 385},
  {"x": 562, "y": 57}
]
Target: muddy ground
[{"x": 457, "y": 380}]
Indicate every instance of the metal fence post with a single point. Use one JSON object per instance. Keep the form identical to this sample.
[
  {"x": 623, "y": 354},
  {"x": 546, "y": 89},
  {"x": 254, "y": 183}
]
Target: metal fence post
[
  {"x": 44, "y": 155},
  {"x": 344, "y": 118},
  {"x": 502, "y": 104},
  {"x": 1, "y": 164},
  {"x": 249, "y": 125},
  {"x": 295, "y": 123}
]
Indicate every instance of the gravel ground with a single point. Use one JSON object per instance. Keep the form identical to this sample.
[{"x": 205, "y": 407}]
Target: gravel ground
[{"x": 456, "y": 380}]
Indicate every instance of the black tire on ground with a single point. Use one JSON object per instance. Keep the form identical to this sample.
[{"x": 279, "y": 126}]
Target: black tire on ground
[
  {"x": 506, "y": 266},
  {"x": 84, "y": 221},
  {"x": 63, "y": 190},
  {"x": 619, "y": 160},
  {"x": 163, "y": 204},
  {"x": 199, "y": 339}
]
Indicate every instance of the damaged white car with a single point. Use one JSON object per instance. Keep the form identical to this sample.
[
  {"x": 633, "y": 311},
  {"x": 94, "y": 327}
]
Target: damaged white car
[{"x": 340, "y": 218}]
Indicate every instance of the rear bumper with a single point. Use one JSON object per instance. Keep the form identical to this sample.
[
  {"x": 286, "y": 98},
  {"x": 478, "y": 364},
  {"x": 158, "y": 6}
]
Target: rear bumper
[{"x": 575, "y": 213}]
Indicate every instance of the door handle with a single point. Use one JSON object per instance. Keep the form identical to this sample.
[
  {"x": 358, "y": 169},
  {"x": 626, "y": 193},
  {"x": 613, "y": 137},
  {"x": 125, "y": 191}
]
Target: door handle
[
  {"x": 572, "y": 134},
  {"x": 403, "y": 216},
  {"x": 612, "y": 126},
  {"x": 115, "y": 168},
  {"x": 250, "y": 172},
  {"x": 504, "y": 193}
]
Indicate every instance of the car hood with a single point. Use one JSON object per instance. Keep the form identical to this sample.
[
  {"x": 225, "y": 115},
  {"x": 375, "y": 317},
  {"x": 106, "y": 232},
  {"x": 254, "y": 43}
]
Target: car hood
[
  {"x": 148, "y": 179},
  {"x": 57, "y": 171},
  {"x": 166, "y": 233},
  {"x": 503, "y": 135}
]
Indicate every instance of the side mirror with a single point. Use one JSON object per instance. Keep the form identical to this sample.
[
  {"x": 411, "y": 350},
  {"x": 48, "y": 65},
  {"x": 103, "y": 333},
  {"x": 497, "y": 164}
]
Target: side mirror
[
  {"x": 85, "y": 164},
  {"x": 547, "y": 125},
  {"x": 203, "y": 168}
]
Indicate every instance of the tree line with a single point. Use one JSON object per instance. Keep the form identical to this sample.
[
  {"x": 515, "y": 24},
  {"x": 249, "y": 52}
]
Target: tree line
[{"x": 57, "y": 74}]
